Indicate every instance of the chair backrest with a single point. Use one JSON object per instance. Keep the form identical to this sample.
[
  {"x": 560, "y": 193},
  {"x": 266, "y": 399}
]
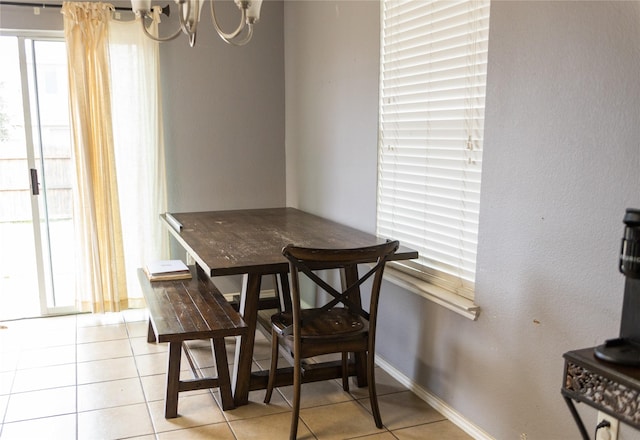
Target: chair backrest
[{"x": 310, "y": 260}]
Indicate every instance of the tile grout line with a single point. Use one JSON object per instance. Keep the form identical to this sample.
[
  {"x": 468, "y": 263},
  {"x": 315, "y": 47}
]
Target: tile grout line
[
  {"x": 13, "y": 378},
  {"x": 77, "y": 424},
  {"x": 144, "y": 394}
]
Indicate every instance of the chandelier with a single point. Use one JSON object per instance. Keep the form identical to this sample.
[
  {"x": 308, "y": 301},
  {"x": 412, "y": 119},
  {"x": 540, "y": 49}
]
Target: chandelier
[{"x": 190, "y": 12}]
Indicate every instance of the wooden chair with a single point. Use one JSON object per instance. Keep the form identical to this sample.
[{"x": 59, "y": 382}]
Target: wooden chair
[{"x": 340, "y": 326}]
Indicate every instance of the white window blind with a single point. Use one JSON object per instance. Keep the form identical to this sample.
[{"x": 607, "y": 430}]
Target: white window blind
[{"x": 432, "y": 89}]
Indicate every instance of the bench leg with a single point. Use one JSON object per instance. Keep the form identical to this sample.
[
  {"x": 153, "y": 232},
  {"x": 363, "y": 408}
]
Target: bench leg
[
  {"x": 173, "y": 381},
  {"x": 224, "y": 380}
]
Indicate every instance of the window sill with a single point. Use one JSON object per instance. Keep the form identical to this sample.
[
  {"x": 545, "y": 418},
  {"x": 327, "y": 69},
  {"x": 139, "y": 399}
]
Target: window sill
[{"x": 449, "y": 300}]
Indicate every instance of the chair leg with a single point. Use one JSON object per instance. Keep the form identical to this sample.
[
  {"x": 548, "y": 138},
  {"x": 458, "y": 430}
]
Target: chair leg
[
  {"x": 273, "y": 367},
  {"x": 373, "y": 397},
  {"x": 345, "y": 371},
  {"x": 295, "y": 414}
]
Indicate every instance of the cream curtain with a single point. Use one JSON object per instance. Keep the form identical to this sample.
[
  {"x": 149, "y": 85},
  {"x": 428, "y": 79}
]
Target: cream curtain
[
  {"x": 139, "y": 147},
  {"x": 101, "y": 279},
  {"x": 120, "y": 166}
]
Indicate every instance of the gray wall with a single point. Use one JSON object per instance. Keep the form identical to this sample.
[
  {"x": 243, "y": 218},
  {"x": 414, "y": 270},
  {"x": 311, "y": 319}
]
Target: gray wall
[
  {"x": 331, "y": 77},
  {"x": 561, "y": 165},
  {"x": 22, "y": 17},
  {"x": 224, "y": 116},
  {"x": 224, "y": 119}
]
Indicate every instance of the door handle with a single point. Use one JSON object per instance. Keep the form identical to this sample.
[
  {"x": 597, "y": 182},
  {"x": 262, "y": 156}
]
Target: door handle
[{"x": 35, "y": 186}]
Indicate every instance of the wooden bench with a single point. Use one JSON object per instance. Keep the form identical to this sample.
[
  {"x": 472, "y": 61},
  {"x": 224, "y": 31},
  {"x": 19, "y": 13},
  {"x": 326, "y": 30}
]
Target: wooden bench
[{"x": 184, "y": 310}]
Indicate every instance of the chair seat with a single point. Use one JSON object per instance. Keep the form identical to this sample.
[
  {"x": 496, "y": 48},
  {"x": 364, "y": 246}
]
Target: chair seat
[{"x": 335, "y": 323}]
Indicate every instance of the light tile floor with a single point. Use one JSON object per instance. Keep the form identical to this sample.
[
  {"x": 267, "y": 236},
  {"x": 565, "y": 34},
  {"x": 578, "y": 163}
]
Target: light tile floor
[{"x": 96, "y": 377}]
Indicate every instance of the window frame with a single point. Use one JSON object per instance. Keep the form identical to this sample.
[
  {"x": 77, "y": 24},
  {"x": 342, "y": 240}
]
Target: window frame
[{"x": 453, "y": 291}]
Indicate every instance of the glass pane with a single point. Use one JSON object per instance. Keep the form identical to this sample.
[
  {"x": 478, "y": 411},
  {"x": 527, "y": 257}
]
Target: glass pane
[
  {"x": 53, "y": 157},
  {"x": 19, "y": 293}
]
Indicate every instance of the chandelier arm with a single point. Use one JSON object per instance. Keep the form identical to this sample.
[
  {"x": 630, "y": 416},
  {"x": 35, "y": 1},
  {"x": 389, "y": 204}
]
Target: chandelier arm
[
  {"x": 225, "y": 36},
  {"x": 244, "y": 41},
  {"x": 158, "y": 38},
  {"x": 184, "y": 22}
]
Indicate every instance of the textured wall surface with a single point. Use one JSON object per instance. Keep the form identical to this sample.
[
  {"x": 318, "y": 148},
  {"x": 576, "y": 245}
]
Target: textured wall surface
[{"x": 561, "y": 161}]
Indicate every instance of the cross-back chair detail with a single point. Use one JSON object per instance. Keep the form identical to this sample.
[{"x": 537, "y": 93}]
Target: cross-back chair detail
[{"x": 341, "y": 325}]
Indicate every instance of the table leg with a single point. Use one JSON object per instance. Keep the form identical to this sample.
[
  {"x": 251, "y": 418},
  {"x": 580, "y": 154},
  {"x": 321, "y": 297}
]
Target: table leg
[
  {"x": 282, "y": 281},
  {"x": 249, "y": 299},
  {"x": 151, "y": 335},
  {"x": 576, "y": 418}
]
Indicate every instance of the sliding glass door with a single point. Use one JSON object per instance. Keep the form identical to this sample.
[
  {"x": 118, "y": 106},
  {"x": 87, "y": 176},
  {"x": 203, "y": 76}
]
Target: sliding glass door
[{"x": 36, "y": 176}]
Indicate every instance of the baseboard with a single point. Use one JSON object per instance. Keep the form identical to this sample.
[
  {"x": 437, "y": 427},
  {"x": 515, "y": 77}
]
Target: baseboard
[{"x": 434, "y": 401}]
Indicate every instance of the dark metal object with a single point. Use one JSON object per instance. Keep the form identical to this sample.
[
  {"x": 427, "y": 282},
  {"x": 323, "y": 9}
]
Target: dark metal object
[
  {"x": 608, "y": 387},
  {"x": 35, "y": 185},
  {"x": 630, "y": 249},
  {"x": 607, "y": 377},
  {"x": 625, "y": 350}
]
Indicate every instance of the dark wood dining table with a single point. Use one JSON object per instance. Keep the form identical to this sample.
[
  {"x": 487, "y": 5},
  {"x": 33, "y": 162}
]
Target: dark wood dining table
[{"x": 249, "y": 242}]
